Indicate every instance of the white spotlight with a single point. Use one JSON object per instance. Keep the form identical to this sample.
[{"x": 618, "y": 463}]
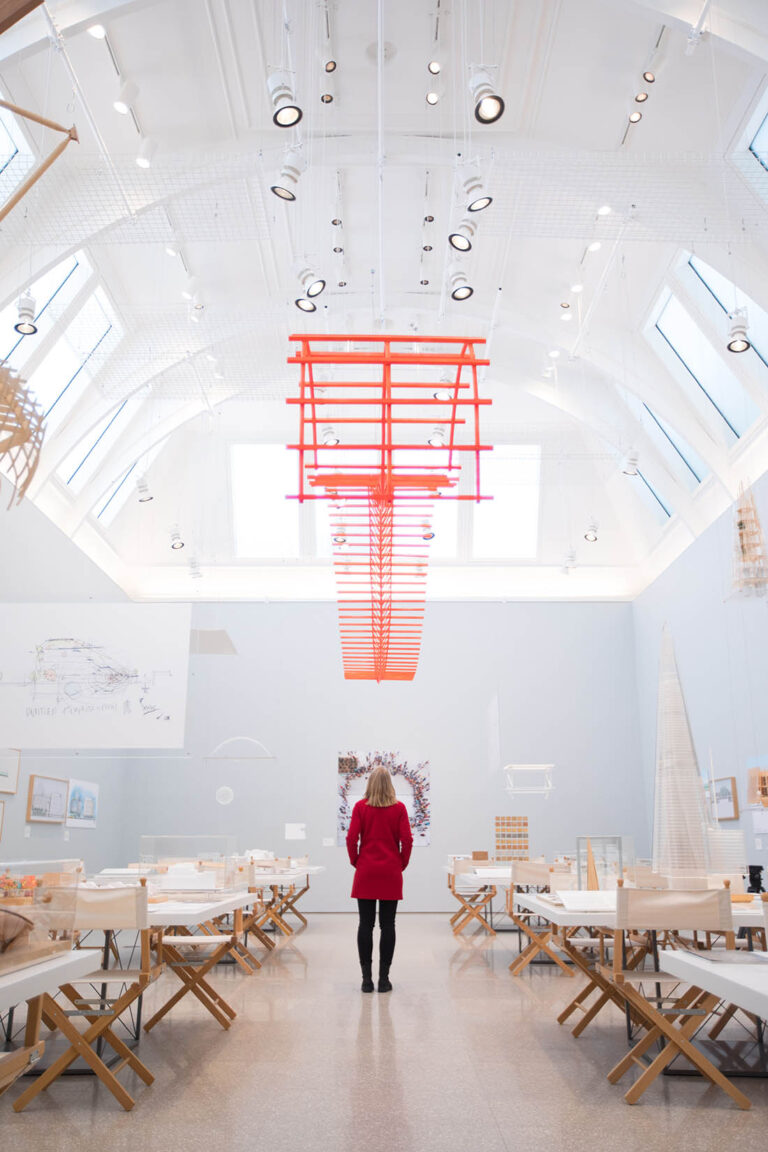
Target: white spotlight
[
  {"x": 305, "y": 305},
  {"x": 146, "y": 152},
  {"x": 489, "y": 106},
  {"x": 460, "y": 289},
  {"x": 25, "y": 324},
  {"x": 176, "y": 541},
  {"x": 462, "y": 238},
  {"x": 293, "y": 166},
  {"x": 475, "y": 195},
  {"x": 738, "y": 341},
  {"x": 142, "y": 487},
  {"x": 287, "y": 112},
  {"x": 310, "y": 282},
  {"x": 437, "y": 438},
  {"x": 330, "y": 438},
  {"x": 125, "y": 97},
  {"x": 631, "y": 462},
  {"x": 591, "y": 533},
  {"x": 98, "y": 31}
]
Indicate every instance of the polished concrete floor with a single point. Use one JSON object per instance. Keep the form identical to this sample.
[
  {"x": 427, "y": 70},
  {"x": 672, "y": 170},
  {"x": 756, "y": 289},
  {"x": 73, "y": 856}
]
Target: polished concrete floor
[{"x": 461, "y": 1056}]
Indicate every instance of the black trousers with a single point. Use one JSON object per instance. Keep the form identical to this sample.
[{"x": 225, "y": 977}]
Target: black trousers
[{"x": 387, "y": 912}]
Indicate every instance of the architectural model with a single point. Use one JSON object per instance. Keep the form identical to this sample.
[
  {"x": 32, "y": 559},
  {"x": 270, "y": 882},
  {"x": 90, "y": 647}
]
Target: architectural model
[{"x": 750, "y": 571}]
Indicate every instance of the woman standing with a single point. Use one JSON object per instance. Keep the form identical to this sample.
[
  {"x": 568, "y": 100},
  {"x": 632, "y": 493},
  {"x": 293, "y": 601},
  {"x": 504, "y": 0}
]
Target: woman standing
[{"x": 379, "y": 843}]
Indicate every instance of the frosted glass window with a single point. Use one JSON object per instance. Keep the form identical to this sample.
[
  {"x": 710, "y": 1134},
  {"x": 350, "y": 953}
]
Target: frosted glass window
[
  {"x": 759, "y": 144},
  {"x": 52, "y": 292},
  {"x": 705, "y": 370},
  {"x": 507, "y": 527},
  {"x": 86, "y": 457},
  {"x": 75, "y": 359},
  {"x": 266, "y": 524},
  {"x": 728, "y": 298}
]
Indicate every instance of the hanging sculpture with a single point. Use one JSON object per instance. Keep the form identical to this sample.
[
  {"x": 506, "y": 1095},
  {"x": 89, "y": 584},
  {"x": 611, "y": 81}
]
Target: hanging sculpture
[
  {"x": 70, "y": 134},
  {"x": 21, "y": 433},
  {"x": 750, "y": 571},
  {"x": 382, "y": 442}
]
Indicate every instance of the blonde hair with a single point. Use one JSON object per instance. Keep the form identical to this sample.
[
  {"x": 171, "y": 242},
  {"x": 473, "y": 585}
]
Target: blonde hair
[{"x": 380, "y": 791}]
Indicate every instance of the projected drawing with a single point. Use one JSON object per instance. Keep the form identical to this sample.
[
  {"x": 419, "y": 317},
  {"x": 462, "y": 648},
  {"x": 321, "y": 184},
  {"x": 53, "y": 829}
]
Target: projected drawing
[
  {"x": 94, "y": 675},
  {"x": 411, "y": 780}
]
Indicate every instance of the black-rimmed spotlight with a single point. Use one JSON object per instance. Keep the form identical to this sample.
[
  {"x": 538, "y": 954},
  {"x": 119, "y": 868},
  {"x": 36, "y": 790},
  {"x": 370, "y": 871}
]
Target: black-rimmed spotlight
[
  {"x": 312, "y": 284},
  {"x": 176, "y": 541},
  {"x": 738, "y": 341},
  {"x": 462, "y": 238},
  {"x": 286, "y": 111},
  {"x": 305, "y": 305},
  {"x": 460, "y": 289},
  {"x": 475, "y": 195},
  {"x": 489, "y": 106},
  {"x": 25, "y": 324},
  {"x": 287, "y": 182}
]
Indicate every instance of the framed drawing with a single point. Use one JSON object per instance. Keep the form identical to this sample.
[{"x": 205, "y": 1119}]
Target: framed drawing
[
  {"x": 83, "y": 804},
  {"x": 726, "y": 798},
  {"x": 10, "y": 760},
  {"x": 47, "y": 800}
]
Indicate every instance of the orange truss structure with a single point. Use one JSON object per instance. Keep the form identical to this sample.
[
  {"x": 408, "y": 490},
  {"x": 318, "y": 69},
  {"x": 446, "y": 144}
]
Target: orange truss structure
[{"x": 386, "y": 423}]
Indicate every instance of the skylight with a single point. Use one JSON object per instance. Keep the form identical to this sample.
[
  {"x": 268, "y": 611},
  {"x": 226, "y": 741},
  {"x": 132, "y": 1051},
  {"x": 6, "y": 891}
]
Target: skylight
[
  {"x": 85, "y": 458},
  {"x": 651, "y": 498},
  {"x": 116, "y": 495},
  {"x": 705, "y": 376},
  {"x": 759, "y": 144},
  {"x": 507, "y": 527},
  {"x": 728, "y": 298},
  {"x": 75, "y": 358},
  {"x": 266, "y": 524},
  {"x": 16, "y": 157},
  {"x": 674, "y": 447}
]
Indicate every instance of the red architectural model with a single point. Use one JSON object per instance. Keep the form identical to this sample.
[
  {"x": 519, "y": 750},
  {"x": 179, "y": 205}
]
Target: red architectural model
[{"x": 385, "y": 425}]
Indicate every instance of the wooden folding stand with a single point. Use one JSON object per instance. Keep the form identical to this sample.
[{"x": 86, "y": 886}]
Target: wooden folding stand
[
  {"x": 192, "y": 958},
  {"x": 473, "y": 899},
  {"x": 100, "y": 908},
  {"x": 527, "y": 874}
]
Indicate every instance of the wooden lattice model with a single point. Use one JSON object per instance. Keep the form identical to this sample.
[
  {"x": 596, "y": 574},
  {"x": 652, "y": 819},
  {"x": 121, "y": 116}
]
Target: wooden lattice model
[
  {"x": 757, "y": 786},
  {"x": 511, "y": 838},
  {"x": 750, "y": 570},
  {"x": 21, "y": 433}
]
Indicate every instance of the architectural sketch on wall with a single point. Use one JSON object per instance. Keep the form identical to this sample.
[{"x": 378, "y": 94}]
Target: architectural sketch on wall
[
  {"x": 94, "y": 675},
  {"x": 47, "y": 800},
  {"x": 82, "y": 804},
  {"x": 687, "y": 843},
  {"x": 750, "y": 569},
  {"x": 10, "y": 762},
  {"x": 410, "y": 777}
]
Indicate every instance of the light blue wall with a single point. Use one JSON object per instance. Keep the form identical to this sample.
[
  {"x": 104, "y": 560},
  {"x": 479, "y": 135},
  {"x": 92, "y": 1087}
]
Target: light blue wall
[{"x": 721, "y": 644}]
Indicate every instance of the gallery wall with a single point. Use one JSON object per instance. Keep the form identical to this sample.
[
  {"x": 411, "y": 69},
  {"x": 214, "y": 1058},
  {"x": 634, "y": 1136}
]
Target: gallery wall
[{"x": 721, "y": 645}]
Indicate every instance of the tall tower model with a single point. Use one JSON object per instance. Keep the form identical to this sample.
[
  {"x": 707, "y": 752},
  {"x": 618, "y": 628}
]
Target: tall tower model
[
  {"x": 750, "y": 569},
  {"x": 680, "y": 841}
]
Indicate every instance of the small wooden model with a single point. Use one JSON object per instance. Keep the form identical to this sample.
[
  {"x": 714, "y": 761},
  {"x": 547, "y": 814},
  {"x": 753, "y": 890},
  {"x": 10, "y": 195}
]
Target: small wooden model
[
  {"x": 21, "y": 432},
  {"x": 750, "y": 571}
]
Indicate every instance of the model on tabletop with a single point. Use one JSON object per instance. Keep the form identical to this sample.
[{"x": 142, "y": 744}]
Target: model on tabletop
[{"x": 379, "y": 843}]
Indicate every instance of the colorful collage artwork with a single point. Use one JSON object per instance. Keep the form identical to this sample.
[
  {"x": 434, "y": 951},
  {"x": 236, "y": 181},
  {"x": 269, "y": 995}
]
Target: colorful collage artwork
[{"x": 411, "y": 780}]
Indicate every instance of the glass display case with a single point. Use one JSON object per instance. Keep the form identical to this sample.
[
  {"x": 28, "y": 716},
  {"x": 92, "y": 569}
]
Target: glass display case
[
  {"x": 601, "y": 860},
  {"x": 37, "y": 910},
  {"x": 190, "y": 863}
]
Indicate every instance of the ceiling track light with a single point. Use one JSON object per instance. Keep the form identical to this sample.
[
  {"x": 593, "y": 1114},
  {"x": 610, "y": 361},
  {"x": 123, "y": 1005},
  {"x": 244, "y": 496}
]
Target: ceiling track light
[
  {"x": 591, "y": 533},
  {"x": 286, "y": 111},
  {"x": 427, "y": 533},
  {"x": 305, "y": 305},
  {"x": 569, "y": 562},
  {"x": 488, "y": 105},
  {"x": 294, "y": 164},
  {"x": 146, "y": 153},
  {"x": 190, "y": 289},
  {"x": 433, "y": 68},
  {"x": 641, "y": 98},
  {"x": 312, "y": 284},
  {"x": 194, "y": 569},
  {"x": 649, "y": 77},
  {"x": 738, "y": 341},
  {"x": 330, "y": 66},
  {"x": 432, "y": 98},
  {"x": 25, "y": 324},
  {"x": 631, "y": 463},
  {"x": 462, "y": 238},
  {"x": 635, "y": 117},
  {"x": 126, "y": 97},
  {"x": 98, "y": 31},
  {"x": 176, "y": 541},
  {"x": 459, "y": 286},
  {"x": 437, "y": 437},
  {"x": 142, "y": 487},
  {"x": 330, "y": 437}
]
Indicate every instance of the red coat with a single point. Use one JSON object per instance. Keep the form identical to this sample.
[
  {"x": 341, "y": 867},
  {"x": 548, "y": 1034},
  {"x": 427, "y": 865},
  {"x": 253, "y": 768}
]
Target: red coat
[{"x": 379, "y": 843}]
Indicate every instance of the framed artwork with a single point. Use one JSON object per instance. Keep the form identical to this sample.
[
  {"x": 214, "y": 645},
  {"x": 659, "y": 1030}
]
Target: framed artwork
[
  {"x": 47, "y": 800},
  {"x": 726, "y": 798},
  {"x": 10, "y": 760},
  {"x": 82, "y": 804}
]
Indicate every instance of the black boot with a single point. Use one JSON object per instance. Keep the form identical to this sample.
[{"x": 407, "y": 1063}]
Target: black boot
[
  {"x": 384, "y": 984},
  {"x": 367, "y": 984}
]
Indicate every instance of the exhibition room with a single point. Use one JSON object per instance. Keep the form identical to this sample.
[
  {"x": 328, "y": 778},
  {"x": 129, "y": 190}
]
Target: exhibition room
[{"x": 384, "y": 582}]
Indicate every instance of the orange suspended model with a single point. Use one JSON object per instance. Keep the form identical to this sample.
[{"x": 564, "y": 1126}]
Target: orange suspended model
[{"x": 385, "y": 424}]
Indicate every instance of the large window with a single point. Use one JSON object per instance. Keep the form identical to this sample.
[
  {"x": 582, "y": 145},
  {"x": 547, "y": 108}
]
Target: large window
[
  {"x": 266, "y": 524},
  {"x": 16, "y": 157},
  {"x": 507, "y": 527},
  {"x": 728, "y": 298},
  {"x": 651, "y": 498},
  {"x": 704, "y": 371},
  {"x": 75, "y": 358},
  {"x": 675, "y": 447},
  {"x": 86, "y": 457}
]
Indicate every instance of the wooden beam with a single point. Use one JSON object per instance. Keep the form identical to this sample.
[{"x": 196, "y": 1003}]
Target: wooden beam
[{"x": 11, "y": 11}]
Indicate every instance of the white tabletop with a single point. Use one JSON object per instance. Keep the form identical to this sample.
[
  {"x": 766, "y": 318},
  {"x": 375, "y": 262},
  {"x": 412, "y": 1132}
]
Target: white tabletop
[
  {"x": 262, "y": 878},
  {"x": 45, "y": 976},
  {"x": 744, "y": 984},
  {"x": 744, "y": 915},
  {"x": 189, "y": 913}
]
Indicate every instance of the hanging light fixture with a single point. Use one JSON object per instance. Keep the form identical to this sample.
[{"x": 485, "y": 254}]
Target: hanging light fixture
[
  {"x": 591, "y": 533},
  {"x": 142, "y": 487},
  {"x": 460, "y": 288},
  {"x": 176, "y": 541},
  {"x": 125, "y": 97},
  {"x": 432, "y": 98},
  {"x": 475, "y": 195},
  {"x": 305, "y": 305},
  {"x": 146, "y": 153},
  {"x": 25, "y": 325},
  {"x": 489, "y": 106},
  {"x": 312, "y": 284},
  {"x": 294, "y": 164},
  {"x": 330, "y": 438},
  {"x": 461, "y": 239},
  {"x": 437, "y": 437},
  {"x": 433, "y": 68},
  {"x": 286, "y": 111},
  {"x": 738, "y": 341},
  {"x": 631, "y": 462}
]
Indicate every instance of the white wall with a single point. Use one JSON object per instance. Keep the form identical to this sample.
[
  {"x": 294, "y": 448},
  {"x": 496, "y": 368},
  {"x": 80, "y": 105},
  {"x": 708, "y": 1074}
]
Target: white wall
[{"x": 721, "y": 644}]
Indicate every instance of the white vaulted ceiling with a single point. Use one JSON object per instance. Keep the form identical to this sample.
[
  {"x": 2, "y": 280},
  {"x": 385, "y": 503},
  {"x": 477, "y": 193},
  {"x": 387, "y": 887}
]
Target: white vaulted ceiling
[{"x": 199, "y": 380}]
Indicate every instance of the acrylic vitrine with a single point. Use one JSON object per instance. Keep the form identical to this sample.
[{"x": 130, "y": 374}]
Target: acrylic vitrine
[
  {"x": 601, "y": 860},
  {"x": 37, "y": 910},
  {"x": 190, "y": 863}
]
